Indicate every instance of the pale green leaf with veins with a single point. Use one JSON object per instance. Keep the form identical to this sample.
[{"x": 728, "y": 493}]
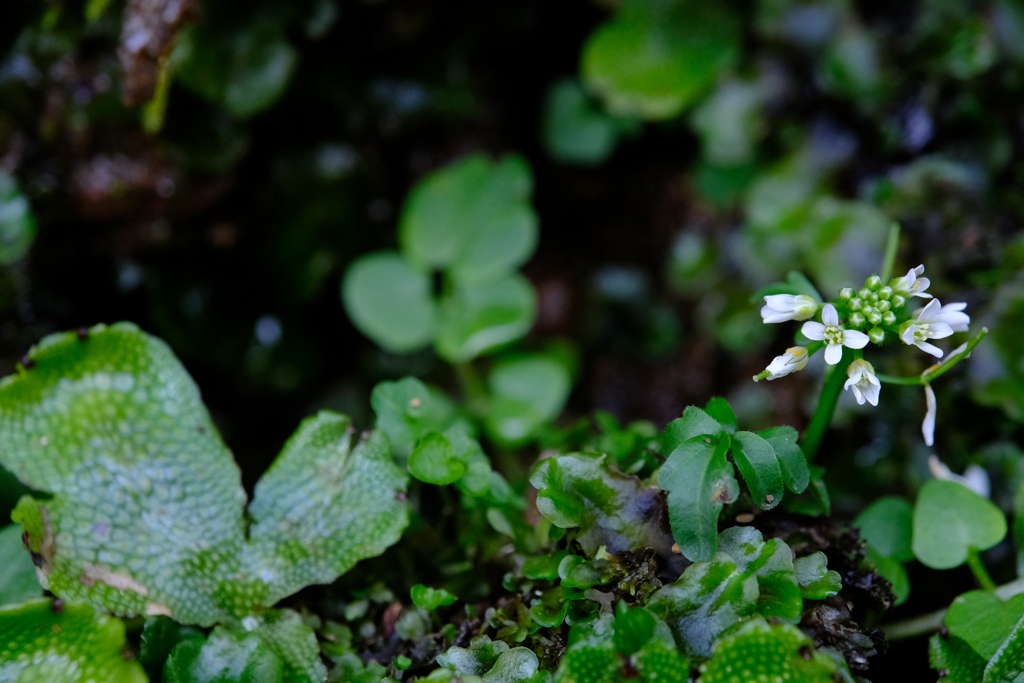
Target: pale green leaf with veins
[{"x": 146, "y": 515}]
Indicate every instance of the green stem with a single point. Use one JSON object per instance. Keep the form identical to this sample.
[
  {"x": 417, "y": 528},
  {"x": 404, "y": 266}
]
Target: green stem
[
  {"x": 935, "y": 371},
  {"x": 928, "y": 623},
  {"x": 822, "y": 418},
  {"x": 892, "y": 245},
  {"x": 473, "y": 387},
  {"x": 980, "y": 573}
]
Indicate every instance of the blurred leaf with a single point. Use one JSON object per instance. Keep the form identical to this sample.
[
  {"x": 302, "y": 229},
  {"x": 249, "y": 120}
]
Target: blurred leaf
[
  {"x": 950, "y": 520},
  {"x": 18, "y": 581},
  {"x": 430, "y": 598},
  {"x": 407, "y": 410},
  {"x": 389, "y": 301},
  {"x": 17, "y": 222},
  {"x": 434, "y": 460},
  {"x": 577, "y": 132},
  {"x": 816, "y": 581},
  {"x": 888, "y": 525},
  {"x": 472, "y": 218},
  {"x": 730, "y": 123},
  {"x": 655, "y": 58},
  {"x": 719, "y": 410},
  {"x": 474, "y": 319},
  {"x": 699, "y": 480},
  {"x": 225, "y": 657},
  {"x": 526, "y": 392},
  {"x": 75, "y": 644},
  {"x": 159, "y": 636},
  {"x": 892, "y": 571}
]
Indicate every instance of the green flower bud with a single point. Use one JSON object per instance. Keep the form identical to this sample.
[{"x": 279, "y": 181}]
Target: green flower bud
[
  {"x": 898, "y": 301},
  {"x": 874, "y": 317},
  {"x": 847, "y": 293},
  {"x": 873, "y": 282},
  {"x": 855, "y": 304},
  {"x": 888, "y": 317},
  {"x": 885, "y": 292},
  {"x": 856, "y": 319},
  {"x": 864, "y": 293},
  {"x": 883, "y": 305},
  {"x": 873, "y": 296},
  {"x": 876, "y": 334}
]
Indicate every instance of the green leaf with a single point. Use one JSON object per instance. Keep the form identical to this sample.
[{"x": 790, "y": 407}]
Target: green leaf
[
  {"x": 719, "y": 410},
  {"x": 551, "y": 608},
  {"x": 694, "y": 422},
  {"x": 610, "y": 508},
  {"x": 699, "y": 480},
  {"x": 792, "y": 461},
  {"x": 350, "y": 669},
  {"x": 983, "y": 621},
  {"x": 577, "y": 132},
  {"x": 146, "y": 514},
  {"x": 430, "y": 598},
  {"x": 389, "y": 301},
  {"x": 407, "y": 410},
  {"x": 527, "y": 391},
  {"x": 653, "y": 59},
  {"x": 767, "y": 652},
  {"x": 76, "y": 644},
  {"x": 159, "y": 636},
  {"x": 472, "y": 218},
  {"x": 475, "y": 660},
  {"x": 888, "y": 526},
  {"x": 960, "y": 662},
  {"x": 434, "y": 460},
  {"x": 474, "y": 319},
  {"x": 225, "y": 657},
  {"x": 18, "y": 581},
  {"x": 816, "y": 581},
  {"x": 544, "y": 566},
  {"x": 17, "y": 222},
  {"x": 243, "y": 67},
  {"x": 950, "y": 520},
  {"x": 756, "y": 461},
  {"x": 1008, "y": 662},
  {"x": 892, "y": 571},
  {"x": 576, "y": 572},
  {"x": 771, "y": 564}
]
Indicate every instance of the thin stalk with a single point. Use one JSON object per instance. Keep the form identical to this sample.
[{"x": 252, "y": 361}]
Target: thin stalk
[
  {"x": 822, "y": 418},
  {"x": 472, "y": 387},
  {"x": 936, "y": 371},
  {"x": 892, "y": 245},
  {"x": 978, "y": 569},
  {"x": 927, "y": 623}
]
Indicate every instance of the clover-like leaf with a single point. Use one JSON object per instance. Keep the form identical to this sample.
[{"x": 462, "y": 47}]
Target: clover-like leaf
[
  {"x": 389, "y": 301},
  {"x": 951, "y": 521},
  {"x": 146, "y": 514},
  {"x": 764, "y": 652},
  {"x": 72, "y": 644},
  {"x": 816, "y": 580},
  {"x": 611, "y": 509},
  {"x": 472, "y": 218},
  {"x": 473, "y": 319},
  {"x": 699, "y": 480},
  {"x": 18, "y": 581},
  {"x": 759, "y": 466},
  {"x": 653, "y": 59}
]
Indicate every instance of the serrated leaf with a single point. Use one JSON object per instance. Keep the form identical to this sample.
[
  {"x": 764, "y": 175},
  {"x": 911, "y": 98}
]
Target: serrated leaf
[
  {"x": 430, "y": 598},
  {"x": 694, "y": 422},
  {"x": 888, "y": 526},
  {"x": 76, "y": 644},
  {"x": 767, "y": 652},
  {"x": 950, "y": 520},
  {"x": 654, "y": 59},
  {"x": 407, "y": 410},
  {"x": 816, "y": 581},
  {"x": 699, "y": 480},
  {"x": 146, "y": 515},
  {"x": 792, "y": 461},
  {"x": 389, "y": 301},
  {"x": 18, "y": 581},
  {"x": 472, "y": 218},
  {"x": 474, "y": 319},
  {"x": 611, "y": 509},
  {"x": 756, "y": 461},
  {"x": 719, "y": 410}
]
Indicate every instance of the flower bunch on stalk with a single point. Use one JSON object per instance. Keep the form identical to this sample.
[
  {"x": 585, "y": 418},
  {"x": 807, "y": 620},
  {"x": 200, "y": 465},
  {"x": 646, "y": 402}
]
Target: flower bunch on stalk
[{"x": 875, "y": 313}]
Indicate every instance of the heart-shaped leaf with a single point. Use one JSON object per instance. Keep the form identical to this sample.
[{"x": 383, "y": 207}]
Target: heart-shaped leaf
[
  {"x": 950, "y": 521},
  {"x": 888, "y": 526},
  {"x": 474, "y": 319},
  {"x": 389, "y": 301},
  {"x": 434, "y": 460}
]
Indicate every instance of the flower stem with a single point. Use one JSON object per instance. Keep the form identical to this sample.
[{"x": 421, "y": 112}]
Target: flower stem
[
  {"x": 822, "y": 418},
  {"x": 473, "y": 387},
  {"x": 980, "y": 573},
  {"x": 892, "y": 245},
  {"x": 936, "y": 371}
]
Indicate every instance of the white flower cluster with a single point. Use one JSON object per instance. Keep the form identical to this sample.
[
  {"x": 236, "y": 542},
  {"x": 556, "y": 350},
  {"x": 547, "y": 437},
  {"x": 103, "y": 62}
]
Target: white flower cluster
[{"x": 876, "y": 308}]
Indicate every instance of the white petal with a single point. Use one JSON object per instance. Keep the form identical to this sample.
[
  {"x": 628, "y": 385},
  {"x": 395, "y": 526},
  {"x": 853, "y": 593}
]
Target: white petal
[
  {"x": 855, "y": 339},
  {"x": 858, "y": 395},
  {"x": 813, "y": 330},
  {"x": 872, "y": 391},
  {"x": 976, "y": 479},
  {"x": 919, "y": 270},
  {"x": 852, "y": 381},
  {"x": 829, "y": 315},
  {"x": 939, "y": 330},
  {"x": 833, "y": 353},
  {"x": 929, "y": 348},
  {"x": 958, "y": 306},
  {"x": 930, "y": 311},
  {"x": 928, "y": 426},
  {"x": 770, "y": 315}
]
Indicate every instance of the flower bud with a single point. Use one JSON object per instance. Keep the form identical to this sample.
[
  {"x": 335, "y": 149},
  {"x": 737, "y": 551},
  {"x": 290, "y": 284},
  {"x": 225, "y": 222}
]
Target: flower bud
[
  {"x": 888, "y": 317},
  {"x": 876, "y": 334},
  {"x": 874, "y": 317},
  {"x": 856, "y": 319},
  {"x": 855, "y": 304},
  {"x": 864, "y": 293},
  {"x": 898, "y": 301},
  {"x": 883, "y": 305},
  {"x": 885, "y": 292},
  {"x": 847, "y": 293},
  {"x": 873, "y": 297},
  {"x": 873, "y": 282}
]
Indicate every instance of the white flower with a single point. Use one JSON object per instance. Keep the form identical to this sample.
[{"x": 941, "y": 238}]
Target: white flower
[
  {"x": 974, "y": 477},
  {"x": 952, "y": 315},
  {"x": 928, "y": 426},
  {"x": 782, "y": 307},
  {"x": 793, "y": 359},
  {"x": 927, "y": 324},
  {"x": 833, "y": 334},
  {"x": 863, "y": 382},
  {"x": 912, "y": 284}
]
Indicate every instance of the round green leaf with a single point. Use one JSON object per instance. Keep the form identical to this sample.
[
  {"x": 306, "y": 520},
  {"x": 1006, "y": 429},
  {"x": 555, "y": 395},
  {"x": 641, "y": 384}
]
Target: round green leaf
[
  {"x": 887, "y": 525},
  {"x": 434, "y": 461},
  {"x": 575, "y": 131},
  {"x": 527, "y": 391},
  {"x": 950, "y": 520},
  {"x": 472, "y": 320},
  {"x": 653, "y": 59},
  {"x": 389, "y": 301},
  {"x": 430, "y": 598}
]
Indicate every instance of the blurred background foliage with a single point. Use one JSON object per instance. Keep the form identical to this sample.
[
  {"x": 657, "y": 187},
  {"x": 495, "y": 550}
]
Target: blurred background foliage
[{"x": 211, "y": 169}]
